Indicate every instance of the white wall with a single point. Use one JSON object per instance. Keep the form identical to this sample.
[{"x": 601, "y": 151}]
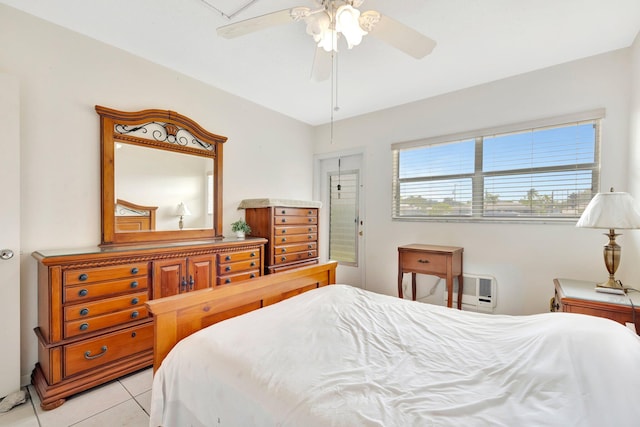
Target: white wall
[
  {"x": 62, "y": 77},
  {"x": 524, "y": 258},
  {"x": 632, "y": 249}
]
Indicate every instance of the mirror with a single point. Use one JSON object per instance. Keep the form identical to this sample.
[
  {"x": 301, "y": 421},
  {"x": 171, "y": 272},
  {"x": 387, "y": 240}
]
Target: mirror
[{"x": 161, "y": 178}]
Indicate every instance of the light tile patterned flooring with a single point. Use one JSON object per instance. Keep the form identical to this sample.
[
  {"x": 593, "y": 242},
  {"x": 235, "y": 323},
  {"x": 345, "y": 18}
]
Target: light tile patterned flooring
[{"x": 124, "y": 402}]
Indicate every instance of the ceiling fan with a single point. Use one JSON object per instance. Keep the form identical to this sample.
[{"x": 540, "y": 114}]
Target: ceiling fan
[{"x": 333, "y": 20}]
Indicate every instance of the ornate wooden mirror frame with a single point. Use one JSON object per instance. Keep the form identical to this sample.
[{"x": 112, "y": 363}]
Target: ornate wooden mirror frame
[{"x": 161, "y": 130}]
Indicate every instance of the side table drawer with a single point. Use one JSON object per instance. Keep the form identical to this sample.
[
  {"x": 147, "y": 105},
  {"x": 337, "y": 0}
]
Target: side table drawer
[
  {"x": 425, "y": 262},
  {"x": 93, "y": 353}
]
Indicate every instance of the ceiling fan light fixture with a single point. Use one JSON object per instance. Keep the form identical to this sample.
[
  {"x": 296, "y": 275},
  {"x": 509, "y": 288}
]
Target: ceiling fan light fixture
[
  {"x": 348, "y": 24},
  {"x": 329, "y": 40},
  {"x": 317, "y": 25}
]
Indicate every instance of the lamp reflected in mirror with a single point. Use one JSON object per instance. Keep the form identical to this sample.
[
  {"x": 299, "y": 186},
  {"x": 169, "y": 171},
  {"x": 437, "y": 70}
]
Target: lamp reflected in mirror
[{"x": 182, "y": 211}]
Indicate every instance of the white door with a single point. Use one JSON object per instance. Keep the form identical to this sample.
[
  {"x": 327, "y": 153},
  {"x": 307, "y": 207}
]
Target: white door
[
  {"x": 9, "y": 236},
  {"x": 339, "y": 185}
]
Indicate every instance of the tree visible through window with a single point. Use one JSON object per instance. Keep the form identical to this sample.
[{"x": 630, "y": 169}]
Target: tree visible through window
[{"x": 547, "y": 172}]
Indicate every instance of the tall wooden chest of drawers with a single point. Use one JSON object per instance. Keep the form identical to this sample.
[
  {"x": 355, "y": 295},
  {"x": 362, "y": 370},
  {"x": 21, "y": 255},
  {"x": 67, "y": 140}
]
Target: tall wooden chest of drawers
[
  {"x": 291, "y": 228},
  {"x": 93, "y": 325}
]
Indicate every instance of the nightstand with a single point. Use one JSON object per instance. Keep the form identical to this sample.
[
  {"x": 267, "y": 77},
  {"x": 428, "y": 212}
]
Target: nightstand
[{"x": 579, "y": 296}]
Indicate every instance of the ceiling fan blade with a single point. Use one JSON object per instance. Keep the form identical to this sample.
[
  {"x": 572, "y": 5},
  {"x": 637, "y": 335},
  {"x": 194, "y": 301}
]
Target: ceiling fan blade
[
  {"x": 322, "y": 65},
  {"x": 258, "y": 23},
  {"x": 402, "y": 37}
]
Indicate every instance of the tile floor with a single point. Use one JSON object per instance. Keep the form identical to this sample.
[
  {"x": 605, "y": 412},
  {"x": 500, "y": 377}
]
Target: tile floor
[{"x": 124, "y": 402}]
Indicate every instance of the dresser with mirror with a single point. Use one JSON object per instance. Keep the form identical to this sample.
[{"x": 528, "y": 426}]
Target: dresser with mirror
[{"x": 161, "y": 235}]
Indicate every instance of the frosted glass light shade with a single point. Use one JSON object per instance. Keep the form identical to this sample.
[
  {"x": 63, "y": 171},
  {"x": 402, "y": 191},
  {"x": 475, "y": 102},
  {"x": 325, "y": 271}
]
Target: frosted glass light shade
[
  {"x": 610, "y": 210},
  {"x": 182, "y": 210}
]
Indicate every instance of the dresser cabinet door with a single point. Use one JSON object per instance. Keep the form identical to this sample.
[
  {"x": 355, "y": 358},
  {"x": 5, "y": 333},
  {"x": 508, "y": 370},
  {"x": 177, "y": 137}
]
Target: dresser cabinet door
[
  {"x": 169, "y": 277},
  {"x": 201, "y": 270}
]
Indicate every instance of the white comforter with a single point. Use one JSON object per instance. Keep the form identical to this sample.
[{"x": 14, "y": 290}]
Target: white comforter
[{"x": 340, "y": 356}]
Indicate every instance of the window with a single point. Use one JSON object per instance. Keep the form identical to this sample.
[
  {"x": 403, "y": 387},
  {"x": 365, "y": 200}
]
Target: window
[{"x": 543, "y": 170}]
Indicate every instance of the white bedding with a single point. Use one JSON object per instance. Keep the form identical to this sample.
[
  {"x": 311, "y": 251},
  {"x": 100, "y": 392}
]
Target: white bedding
[{"x": 340, "y": 356}]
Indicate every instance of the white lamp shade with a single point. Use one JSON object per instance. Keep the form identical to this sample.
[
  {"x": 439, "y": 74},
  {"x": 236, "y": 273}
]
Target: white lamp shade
[
  {"x": 610, "y": 210},
  {"x": 182, "y": 210}
]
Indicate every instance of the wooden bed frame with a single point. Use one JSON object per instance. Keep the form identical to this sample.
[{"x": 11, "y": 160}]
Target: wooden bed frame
[{"x": 178, "y": 316}]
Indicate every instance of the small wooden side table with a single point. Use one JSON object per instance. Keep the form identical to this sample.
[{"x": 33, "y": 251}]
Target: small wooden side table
[
  {"x": 441, "y": 261},
  {"x": 580, "y": 296}
]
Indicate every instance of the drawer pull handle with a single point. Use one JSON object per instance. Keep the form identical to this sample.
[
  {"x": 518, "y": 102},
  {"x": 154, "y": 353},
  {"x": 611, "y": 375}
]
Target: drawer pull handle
[
  {"x": 134, "y": 270},
  {"x": 134, "y": 314},
  {"x": 284, "y": 231},
  {"x": 310, "y": 246},
  {"x": 284, "y": 239},
  {"x": 310, "y": 213},
  {"x": 253, "y": 275},
  {"x": 310, "y": 219},
  {"x": 284, "y": 212},
  {"x": 191, "y": 282},
  {"x": 133, "y": 334},
  {"x": 227, "y": 268},
  {"x": 310, "y": 253},
  {"x": 134, "y": 284},
  {"x": 284, "y": 220},
  {"x": 310, "y": 237},
  {"x": 228, "y": 258},
  {"x": 253, "y": 264},
  {"x": 134, "y": 301},
  {"x": 284, "y": 258},
  {"x": 227, "y": 281},
  {"x": 423, "y": 261},
  {"x": 284, "y": 250},
  {"x": 83, "y": 277},
  {"x": 88, "y": 356},
  {"x": 310, "y": 230},
  {"x": 253, "y": 254},
  {"x": 83, "y": 292},
  {"x": 84, "y": 312},
  {"x": 84, "y": 326}
]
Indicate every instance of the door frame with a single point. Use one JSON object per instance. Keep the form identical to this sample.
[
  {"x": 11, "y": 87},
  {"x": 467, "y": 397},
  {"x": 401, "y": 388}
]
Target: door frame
[{"x": 318, "y": 182}]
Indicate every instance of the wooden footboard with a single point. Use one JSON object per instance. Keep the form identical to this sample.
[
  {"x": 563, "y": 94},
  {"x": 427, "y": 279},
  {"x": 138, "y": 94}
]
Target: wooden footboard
[{"x": 179, "y": 316}]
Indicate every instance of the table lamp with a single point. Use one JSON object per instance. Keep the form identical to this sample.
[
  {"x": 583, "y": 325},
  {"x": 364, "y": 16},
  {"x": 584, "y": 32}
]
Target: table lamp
[
  {"x": 610, "y": 211},
  {"x": 182, "y": 211}
]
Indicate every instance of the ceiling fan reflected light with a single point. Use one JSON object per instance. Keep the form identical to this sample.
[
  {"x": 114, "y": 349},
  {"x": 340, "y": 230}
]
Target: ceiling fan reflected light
[{"x": 334, "y": 19}]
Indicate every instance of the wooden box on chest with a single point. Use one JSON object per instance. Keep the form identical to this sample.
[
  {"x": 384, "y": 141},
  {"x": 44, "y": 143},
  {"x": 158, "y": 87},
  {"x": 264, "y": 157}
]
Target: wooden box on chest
[
  {"x": 290, "y": 228},
  {"x": 93, "y": 326}
]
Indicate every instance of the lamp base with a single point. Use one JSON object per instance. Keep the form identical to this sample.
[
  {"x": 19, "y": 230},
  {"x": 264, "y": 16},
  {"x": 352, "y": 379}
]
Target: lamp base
[{"x": 611, "y": 287}]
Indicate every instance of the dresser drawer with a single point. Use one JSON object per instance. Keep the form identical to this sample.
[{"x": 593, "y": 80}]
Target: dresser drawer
[
  {"x": 109, "y": 305},
  {"x": 296, "y": 211},
  {"x": 83, "y": 326},
  {"x": 92, "y": 275},
  {"x": 297, "y": 220},
  {"x": 95, "y": 352},
  {"x": 236, "y": 267},
  {"x": 424, "y": 262},
  {"x": 296, "y": 256},
  {"x": 228, "y": 279},
  {"x": 296, "y": 238},
  {"x": 287, "y": 249},
  {"x": 253, "y": 254},
  {"x": 86, "y": 292},
  {"x": 281, "y": 230}
]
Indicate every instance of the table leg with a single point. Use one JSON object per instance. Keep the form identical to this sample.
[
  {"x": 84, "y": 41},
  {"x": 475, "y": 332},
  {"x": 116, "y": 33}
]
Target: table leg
[
  {"x": 460, "y": 289},
  {"x": 413, "y": 286},
  {"x": 400, "y": 274},
  {"x": 449, "y": 282}
]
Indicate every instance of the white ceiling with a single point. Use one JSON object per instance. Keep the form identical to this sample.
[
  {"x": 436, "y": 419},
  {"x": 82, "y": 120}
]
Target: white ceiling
[{"x": 478, "y": 41}]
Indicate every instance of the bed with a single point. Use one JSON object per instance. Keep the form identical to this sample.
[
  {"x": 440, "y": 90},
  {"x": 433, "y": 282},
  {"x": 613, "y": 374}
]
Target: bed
[{"x": 340, "y": 356}]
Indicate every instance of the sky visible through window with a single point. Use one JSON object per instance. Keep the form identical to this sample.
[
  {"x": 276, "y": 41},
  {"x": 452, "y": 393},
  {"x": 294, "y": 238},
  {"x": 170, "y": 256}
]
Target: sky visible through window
[{"x": 545, "y": 148}]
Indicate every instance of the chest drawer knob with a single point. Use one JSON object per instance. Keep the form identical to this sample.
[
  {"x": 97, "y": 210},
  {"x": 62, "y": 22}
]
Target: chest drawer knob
[
  {"x": 227, "y": 258},
  {"x": 133, "y": 334},
  {"x": 83, "y": 292},
  {"x": 83, "y": 277},
  {"x": 253, "y": 264},
  {"x": 88, "y": 356},
  {"x": 310, "y": 219},
  {"x": 284, "y": 211},
  {"x": 253, "y": 275},
  {"x": 284, "y": 239},
  {"x": 227, "y": 268},
  {"x": 84, "y": 326},
  {"x": 84, "y": 312},
  {"x": 134, "y": 301},
  {"x": 310, "y": 213},
  {"x": 134, "y": 284},
  {"x": 134, "y": 314},
  {"x": 134, "y": 270},
  {"x": 284, "y": 220},
  {"x": 284, "y": 231},
  {"x": 284, "y": 258},
  {"x": 283, "y": 250},
  {"x": 227, "y": 281},
  {"x": 253, "y": 254},
  {"x": 310, "y": 237}
]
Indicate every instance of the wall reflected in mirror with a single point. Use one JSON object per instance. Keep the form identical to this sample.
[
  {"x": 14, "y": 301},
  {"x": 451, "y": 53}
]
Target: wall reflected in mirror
[{"x": 164, "y": 179}]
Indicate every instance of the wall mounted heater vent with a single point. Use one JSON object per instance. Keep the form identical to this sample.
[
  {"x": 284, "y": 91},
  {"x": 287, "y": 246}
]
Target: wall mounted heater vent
[{"x": 478, "y": 293}]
